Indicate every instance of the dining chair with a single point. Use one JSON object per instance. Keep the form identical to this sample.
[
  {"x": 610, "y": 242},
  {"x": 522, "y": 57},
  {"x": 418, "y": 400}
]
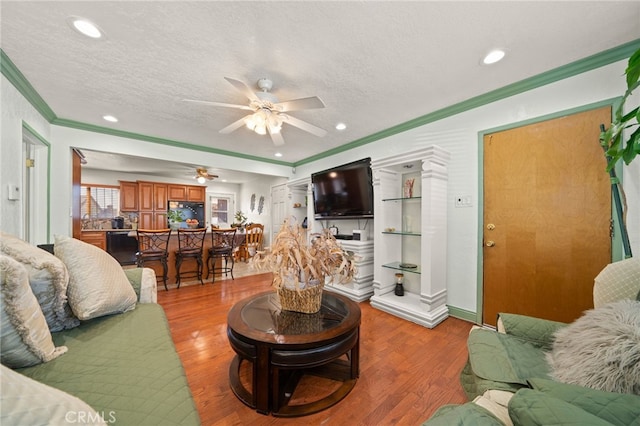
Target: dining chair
[
  {"x": 222, "y": 245},
  {"x": 190, "y": 245},
  {"x": 153, "y": 245},
  {"x": 253, "y": 241}
]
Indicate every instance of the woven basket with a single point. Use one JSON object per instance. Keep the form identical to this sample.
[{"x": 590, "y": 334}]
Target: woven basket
[{"x": 307, "y": 300}]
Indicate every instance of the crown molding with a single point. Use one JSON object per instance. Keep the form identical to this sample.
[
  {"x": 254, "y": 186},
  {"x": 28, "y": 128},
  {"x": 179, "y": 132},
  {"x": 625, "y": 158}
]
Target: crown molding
[{"x": 161, "y": 141}]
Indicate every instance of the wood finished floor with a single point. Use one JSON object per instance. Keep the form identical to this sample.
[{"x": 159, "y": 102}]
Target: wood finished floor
[{"x": 406, "y": 371}]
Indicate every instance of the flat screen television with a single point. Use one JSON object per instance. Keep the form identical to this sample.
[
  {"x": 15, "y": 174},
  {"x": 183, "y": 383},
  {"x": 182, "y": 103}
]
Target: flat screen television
[{"x": 344, "y": 192}]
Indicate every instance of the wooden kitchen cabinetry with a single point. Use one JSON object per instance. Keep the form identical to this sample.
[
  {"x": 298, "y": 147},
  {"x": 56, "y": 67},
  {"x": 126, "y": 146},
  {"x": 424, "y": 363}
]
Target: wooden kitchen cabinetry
[
  {"x": 177, "y": 192},
  {"x": 152, "y": 203},
  {"x": 196, "y": 193},
  {"x": 97, "y": 239},
  {"x": 128, "y": 196},
  {"x": 186, "y": 193}
]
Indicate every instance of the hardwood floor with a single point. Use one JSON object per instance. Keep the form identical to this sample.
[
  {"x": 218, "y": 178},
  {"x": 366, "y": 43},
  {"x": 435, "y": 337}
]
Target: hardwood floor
[{"x": 406, "y": 371}]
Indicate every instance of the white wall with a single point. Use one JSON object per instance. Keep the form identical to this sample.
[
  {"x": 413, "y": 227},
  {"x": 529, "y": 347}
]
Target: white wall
[
  {"x": 457, "y": 134},
  {"x": 16, "y": 111}
]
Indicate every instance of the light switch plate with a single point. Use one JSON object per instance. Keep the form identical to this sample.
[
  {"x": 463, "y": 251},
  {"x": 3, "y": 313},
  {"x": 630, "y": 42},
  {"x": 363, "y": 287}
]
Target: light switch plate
[
  {"x": 463, "y": 201},
  {"x": 13, "y": 192}
]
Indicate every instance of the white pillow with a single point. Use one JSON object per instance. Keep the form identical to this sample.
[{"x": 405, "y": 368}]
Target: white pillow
[
  {"x": 48, "y": 278},
  {"x": 25, "y": 401},
  {"x": 24, "y": 335},
  {"x": 98, "y": 285}
]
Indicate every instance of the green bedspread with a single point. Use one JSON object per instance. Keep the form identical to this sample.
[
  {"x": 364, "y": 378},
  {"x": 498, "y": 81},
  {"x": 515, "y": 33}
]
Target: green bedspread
[{"x": 125, "y": 366}]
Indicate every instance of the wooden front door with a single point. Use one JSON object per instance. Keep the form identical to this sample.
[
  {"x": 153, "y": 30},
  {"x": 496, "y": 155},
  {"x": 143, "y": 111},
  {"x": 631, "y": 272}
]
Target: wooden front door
[{"x": 547, "y": 214}]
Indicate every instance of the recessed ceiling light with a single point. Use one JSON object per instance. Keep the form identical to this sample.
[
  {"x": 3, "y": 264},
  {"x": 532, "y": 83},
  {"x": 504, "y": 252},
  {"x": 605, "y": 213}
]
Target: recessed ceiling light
[
  {"x": 341, "y": 126},
  {"x": 85, "y": 27},
  {"x": 493, "y": 57},
  {"x": 110, "y": 118},
  {"x": 278, "y": 154}
]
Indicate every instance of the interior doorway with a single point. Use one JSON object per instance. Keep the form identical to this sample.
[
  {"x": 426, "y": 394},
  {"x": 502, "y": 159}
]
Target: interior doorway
[{"x": 547, "y": 217}]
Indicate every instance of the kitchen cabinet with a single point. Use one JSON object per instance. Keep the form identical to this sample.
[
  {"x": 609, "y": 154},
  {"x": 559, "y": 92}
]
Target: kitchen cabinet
[
  {"x": 128, "y": 196},
  {"x": 145, "y": 196},
  {"x": 196, "y": 193},
  {"x": 94, "y": 238},
  {"x": 410, "y": 235},
  {"x": 152, "y": 203},
  {"x": 146, "y": 220},
  {"x": 160, "y": 197},
  {"x": 177, "y": 192},
  {"x": 186, "y": 193}
]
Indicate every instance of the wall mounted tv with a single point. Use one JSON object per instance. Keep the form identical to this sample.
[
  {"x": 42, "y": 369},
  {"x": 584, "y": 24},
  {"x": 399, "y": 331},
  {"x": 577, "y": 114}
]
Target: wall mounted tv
[{"x": 344, "y": 192}]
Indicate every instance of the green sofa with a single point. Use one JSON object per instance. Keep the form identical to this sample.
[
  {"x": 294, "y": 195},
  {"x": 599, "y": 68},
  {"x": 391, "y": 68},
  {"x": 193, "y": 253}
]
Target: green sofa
[
  {"x": 118, "y": 367},
  {"x": 510, "y": 377}
]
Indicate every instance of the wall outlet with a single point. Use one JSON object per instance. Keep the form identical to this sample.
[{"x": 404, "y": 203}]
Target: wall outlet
[{"x": 463, "y": 201}]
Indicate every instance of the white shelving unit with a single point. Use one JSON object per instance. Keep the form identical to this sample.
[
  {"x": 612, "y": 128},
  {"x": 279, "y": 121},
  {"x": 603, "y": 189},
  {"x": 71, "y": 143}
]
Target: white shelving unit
[
  {"x": 360, "y": 288},
  {"x": 411, "y": 230}
]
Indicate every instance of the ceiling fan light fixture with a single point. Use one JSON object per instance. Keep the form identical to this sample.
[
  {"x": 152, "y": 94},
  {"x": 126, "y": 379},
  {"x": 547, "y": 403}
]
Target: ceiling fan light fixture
[
  {"x": 261, "y": 129},
  {"x": 201, "y": 179}
]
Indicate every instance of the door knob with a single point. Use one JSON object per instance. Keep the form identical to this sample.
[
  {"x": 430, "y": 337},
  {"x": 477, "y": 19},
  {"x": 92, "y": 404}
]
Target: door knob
[{"x": 490, "y": 243}]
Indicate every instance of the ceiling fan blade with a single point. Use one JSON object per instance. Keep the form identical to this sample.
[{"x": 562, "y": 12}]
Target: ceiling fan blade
[
  {"x": 299, "y": 104},
  {"x": 242, "y": 87},
  {"x": 245, "y": 107},
  {"x": 277, "y": 138},
  {"x": 304, "y": 125},
  {"x": 233, "y": 126}
]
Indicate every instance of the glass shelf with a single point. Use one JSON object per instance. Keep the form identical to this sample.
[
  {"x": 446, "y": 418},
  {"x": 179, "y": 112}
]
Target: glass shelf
[
  {"x": 415, "y": 234},
  {"x": 396, "y": 265},
  {"x": 401, "y": 199}
]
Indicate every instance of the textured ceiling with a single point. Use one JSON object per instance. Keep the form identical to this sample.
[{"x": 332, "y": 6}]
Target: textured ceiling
[{"x": 374, "y": 64}]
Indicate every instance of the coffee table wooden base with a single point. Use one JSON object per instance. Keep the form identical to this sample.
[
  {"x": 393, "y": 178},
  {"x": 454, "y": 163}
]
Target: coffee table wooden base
[{"x": 283, "y": 391}]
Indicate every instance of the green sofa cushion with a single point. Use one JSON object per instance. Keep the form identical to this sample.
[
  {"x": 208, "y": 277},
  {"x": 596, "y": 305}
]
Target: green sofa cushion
[
  {"x": 619, "y": 409},
  {"x": 460, "y": 415},
  {"x": 531, "y": 407},
  {"x": 124, "y": 366}
]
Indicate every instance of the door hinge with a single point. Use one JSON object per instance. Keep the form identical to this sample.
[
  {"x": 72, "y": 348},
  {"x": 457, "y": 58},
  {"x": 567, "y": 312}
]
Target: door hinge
[
  {"x": 611, "y": 228},
  {"x": 30, "y": 162}
]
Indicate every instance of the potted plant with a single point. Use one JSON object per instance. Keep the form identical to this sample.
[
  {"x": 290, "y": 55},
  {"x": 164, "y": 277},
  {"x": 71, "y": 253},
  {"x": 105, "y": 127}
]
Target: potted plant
[
  {"x": 240, "y": 220},
  {"x": 175, "y": 217},
  {"x": 300, "y": 269},
  {"x": 617, "y": 148}
]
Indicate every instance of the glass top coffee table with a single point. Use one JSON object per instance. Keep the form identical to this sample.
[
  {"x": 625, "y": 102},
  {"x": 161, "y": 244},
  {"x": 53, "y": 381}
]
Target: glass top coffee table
[{"x": 282, "y": 346}]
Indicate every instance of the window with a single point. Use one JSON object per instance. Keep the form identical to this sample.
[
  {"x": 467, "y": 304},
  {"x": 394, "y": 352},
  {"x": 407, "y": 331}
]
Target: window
[
  {"x": 220, "y": 210},
  {"x": 99, "y": 202}
]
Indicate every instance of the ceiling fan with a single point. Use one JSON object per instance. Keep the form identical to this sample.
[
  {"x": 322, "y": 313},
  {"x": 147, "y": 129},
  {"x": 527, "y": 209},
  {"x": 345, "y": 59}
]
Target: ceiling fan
[
  {"x": 203, "y": 175},
  {"x": 268, "y": 113}
]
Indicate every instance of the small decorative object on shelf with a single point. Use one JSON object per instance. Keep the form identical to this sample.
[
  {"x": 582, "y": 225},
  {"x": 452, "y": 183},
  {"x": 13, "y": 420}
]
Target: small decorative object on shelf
[
  {"x": 408, "y": 188},
  {"x": 299, "y": 269},
  {"x": 399, "y": 290}
]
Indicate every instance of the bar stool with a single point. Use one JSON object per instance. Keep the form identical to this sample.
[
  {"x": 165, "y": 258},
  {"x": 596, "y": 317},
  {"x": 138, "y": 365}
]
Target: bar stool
[
  {"x": 190, "y": 244},
  {"x": 153, "y": 246},
  {"x": 222, "y": 242}
]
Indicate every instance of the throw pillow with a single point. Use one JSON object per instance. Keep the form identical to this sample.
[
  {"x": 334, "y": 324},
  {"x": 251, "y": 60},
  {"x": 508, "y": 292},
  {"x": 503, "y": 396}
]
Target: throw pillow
[
  {"x": 97, "y": 283},
  {"x": 25, "y": 401},
  {"x": 48, "y": 278},
  {"x": 601, "y": 349},
  {"x": 24, "y": 335}
]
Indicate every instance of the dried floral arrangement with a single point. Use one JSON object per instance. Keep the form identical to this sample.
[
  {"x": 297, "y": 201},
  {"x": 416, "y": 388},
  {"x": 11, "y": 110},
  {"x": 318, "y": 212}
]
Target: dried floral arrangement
[{"x": 292, "y": 260}]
